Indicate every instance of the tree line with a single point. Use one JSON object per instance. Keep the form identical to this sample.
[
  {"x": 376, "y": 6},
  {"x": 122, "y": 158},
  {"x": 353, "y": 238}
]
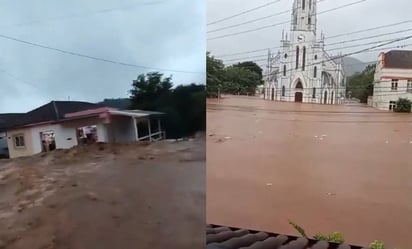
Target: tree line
[
  {"x": 241, "y": 78},
  {"x": 184, "y": 105}
]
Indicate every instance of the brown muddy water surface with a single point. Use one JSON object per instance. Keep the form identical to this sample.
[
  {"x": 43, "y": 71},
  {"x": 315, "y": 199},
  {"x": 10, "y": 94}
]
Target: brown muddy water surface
[{"x": 328, "y": 168}]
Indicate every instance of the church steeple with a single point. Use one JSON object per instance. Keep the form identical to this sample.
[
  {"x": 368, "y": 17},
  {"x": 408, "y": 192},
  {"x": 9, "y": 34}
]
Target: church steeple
[{"x": 304, "y": 15}]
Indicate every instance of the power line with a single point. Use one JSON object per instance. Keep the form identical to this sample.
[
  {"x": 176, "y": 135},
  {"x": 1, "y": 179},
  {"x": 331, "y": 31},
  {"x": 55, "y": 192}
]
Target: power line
[
  {"x": 327, "y": 38},
  {"x": 101, "y": 11},
  {"x": 277, "y": 24},
  {"x": 291, "y": 52},
  {"x": 257, "y": 19},
  {"x": 18, "y": 79},
  {"x": 370, "y": 29},
  {"x": 244, "y": 12},
  {"x": 369, "y": 37},
  {"x": 358, "y": 52},
  {"x": 93, "y": 57}
]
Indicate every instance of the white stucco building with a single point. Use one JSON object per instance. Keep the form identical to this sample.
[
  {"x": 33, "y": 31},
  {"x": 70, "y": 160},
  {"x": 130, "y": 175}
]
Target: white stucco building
[
  {"x": 302, "y": 71},
  {"x": 59, "y": 124},
  {"x": 393, "y": 79}
]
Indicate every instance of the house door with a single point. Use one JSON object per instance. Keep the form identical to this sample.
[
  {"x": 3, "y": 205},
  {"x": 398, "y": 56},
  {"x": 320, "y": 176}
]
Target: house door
[
  {"x": 298, "y": 97},
  {"x": 325, "y": 99},
  {"x": 273, "y": 93},
  {"x": 48, "y": 141}
]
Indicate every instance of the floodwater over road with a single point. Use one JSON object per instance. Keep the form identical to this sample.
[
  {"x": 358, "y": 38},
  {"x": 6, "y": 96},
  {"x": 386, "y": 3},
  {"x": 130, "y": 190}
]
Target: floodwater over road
[{"x": 328, "y": 168}]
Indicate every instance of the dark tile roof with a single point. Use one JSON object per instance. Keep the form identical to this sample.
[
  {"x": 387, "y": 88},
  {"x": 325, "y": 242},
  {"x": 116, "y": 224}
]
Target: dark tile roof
[
  {"x": 9, "y": 119},
  {"x": 218, "y": 237},
  {"x": 51, "y": 112},
  {"x": 398, "y": 59}
]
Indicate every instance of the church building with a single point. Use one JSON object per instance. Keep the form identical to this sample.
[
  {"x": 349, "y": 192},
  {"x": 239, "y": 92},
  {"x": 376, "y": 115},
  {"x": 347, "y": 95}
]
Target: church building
[{"x": 302, "y": 71}]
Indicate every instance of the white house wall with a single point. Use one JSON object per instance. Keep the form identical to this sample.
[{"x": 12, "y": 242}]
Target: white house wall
[
  {"x": 123, "y": 129},
  {"x": 382, "y": 92},
  {"x": 65, "y": 137}
]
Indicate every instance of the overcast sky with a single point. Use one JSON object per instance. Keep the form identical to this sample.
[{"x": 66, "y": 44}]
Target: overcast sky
[
  {"x": 368, "y": 14},
  {"x": 167, "y": 34}
]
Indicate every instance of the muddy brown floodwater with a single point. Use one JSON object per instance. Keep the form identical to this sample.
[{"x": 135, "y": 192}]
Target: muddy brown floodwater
[
  {"x": 106, "y": 196},
  {"x": 328, "y": 168}
]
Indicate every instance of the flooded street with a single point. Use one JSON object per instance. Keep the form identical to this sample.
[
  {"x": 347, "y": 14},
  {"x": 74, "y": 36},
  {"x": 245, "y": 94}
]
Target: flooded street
[{"x": 328, "y": 168}]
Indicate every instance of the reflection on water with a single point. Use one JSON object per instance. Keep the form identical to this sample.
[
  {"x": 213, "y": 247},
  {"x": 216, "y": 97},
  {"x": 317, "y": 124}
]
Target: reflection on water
[{"x": 329, "y": 168}]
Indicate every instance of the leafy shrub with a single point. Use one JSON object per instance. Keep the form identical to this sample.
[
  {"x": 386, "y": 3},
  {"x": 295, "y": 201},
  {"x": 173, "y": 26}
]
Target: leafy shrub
[
  {"x": 377, "y": 244},
  {"x": 333, "y": 237},
  {"x": 403, "y": 105}
]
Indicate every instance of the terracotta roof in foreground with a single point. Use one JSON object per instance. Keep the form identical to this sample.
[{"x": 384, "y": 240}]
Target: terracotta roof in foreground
[{"x": 221, "y": 237}]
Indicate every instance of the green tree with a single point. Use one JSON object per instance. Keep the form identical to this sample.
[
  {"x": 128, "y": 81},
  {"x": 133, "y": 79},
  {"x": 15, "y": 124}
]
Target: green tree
[
  {"x": 184, "y": 106},
  {"x": 150, "y": 91},
  {"x": 360, "y": 85},
  {"x": 214, "y": 74},
  {"x": 403, "y": 105},
  {"x": 240, "y": 80},
  {"x": 253, "y": 67}
]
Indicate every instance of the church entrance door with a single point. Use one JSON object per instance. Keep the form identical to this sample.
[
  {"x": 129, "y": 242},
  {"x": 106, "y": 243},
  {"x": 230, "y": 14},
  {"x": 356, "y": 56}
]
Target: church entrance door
[{"x": 298, "y": 97}]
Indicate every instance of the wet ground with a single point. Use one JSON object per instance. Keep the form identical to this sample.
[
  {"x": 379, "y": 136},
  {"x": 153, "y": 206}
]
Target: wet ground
[
  {"x": 105, "y": 196},
  {"x": 328, "y": 168}
]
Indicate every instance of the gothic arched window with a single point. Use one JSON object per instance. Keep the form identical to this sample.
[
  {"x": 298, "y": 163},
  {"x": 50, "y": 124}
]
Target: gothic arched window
[
  {"x": 297, "y": 57},
  {"x": 310, "y": 4},
  {"x": 303, "y": 4},
  {"x": 304, "y": 59},
  {"x": 284, "y": 70},
  {"x": 315, "y": 72},
  {"x": 283, "y": 91}
]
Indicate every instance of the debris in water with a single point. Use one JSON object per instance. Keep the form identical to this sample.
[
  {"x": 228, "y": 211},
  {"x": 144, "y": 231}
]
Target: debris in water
[
  {"x": 387, "y": 142},
  {"x": 331, "y": 194},
  {"x": 92, "y": 196},
  {"x": 228, "y": 138},
  {"x": 410, "y": 142},
  {"x": 211, "y": 135},
  {"x": 269, "y": 184}
]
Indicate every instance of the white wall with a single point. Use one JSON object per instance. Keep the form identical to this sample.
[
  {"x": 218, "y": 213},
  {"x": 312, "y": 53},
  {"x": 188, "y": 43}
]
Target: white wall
[
  {"x": 102, "y": 133},
  {"x": 65, "y": 137},
  {"x": 382, "y": 92},
  {"x": 123, "y": 129}
]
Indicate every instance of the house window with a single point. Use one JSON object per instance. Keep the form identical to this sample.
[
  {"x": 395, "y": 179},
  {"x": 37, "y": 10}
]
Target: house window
[
  {"x": 314, "y": 93},
  {"x": 284, "y": 70},
  {"x": 303, "y": 4},
  {"x": 394, "y": 85},
  {"x": 315, "y": 72},
  {"x": 309, "y": 20},
  {"x": 286, "y": 56},
  {"x": 310, "y": 4},
  {"x": 304, "y": 59},
  {"x": 392, "y": 105},
  {"x": 18, "y": 141},
  {"x": 283, "y": 91},
  {"x": 297, "y": 57},
  {"x": 316, "y": 57},
  {"x": 409, "y": 86}
]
